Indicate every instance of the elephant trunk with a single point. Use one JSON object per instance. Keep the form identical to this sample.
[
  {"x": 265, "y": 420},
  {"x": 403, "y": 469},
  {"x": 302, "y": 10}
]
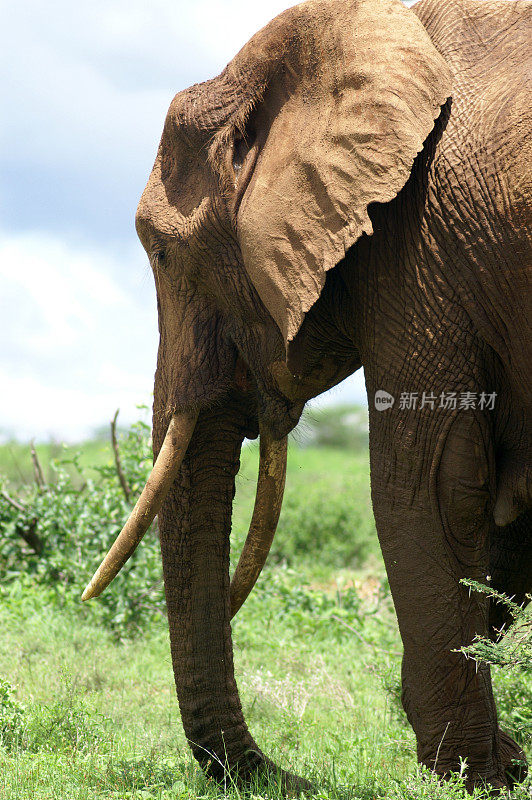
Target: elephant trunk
[{"x": 194, "y": 525}]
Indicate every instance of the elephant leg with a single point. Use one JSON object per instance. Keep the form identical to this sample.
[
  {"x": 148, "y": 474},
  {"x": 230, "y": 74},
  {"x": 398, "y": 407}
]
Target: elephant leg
[
  {"x": 511, "y": 573},
  {"x": 510, "y": 566},
  {"x": 432, "y": 479}
]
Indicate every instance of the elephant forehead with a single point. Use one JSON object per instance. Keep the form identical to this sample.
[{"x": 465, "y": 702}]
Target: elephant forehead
[{"x": 178, "y": 193}]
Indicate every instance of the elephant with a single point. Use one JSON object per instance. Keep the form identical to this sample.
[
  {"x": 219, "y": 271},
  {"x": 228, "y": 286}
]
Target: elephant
[{"x": 353, "y": 190}]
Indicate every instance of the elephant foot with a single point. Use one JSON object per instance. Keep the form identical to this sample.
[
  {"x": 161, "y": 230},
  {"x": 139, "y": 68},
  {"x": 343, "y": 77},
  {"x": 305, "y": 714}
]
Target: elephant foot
[
  {"x": 513, "y": 760},
  {"x": 290, "y": 785},
  {"x": 294, "y": 786},
  {"x": 257, "y": 771},
  {"x": 513, "y": 769}
]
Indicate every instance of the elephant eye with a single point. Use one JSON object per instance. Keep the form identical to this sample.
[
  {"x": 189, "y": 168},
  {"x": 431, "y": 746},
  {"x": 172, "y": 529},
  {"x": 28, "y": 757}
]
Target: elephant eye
[
  {"x": 159, "y": 259},
  {"x": 242, "y": 145}
]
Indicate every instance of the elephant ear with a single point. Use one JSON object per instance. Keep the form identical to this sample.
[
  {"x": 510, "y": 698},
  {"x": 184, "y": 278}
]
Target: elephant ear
[{"x": 342, "y": 96}]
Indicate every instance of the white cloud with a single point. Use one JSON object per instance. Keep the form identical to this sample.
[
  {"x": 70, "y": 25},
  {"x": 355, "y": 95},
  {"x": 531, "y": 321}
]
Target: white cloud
[
  {"x": 54, "y": 290},
  {"x": 87, "y": 80},
  {"x": 75, "y": 344},
  {"x": 66, "y": 414}
]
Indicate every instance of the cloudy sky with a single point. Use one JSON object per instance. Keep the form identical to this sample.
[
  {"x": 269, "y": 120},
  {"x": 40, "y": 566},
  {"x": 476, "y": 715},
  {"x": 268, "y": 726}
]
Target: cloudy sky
[{"x": 85, "y": 92}]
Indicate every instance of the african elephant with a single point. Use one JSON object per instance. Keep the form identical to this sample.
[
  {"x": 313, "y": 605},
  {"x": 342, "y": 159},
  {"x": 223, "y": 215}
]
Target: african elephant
[{"x": 351, "y": 190}]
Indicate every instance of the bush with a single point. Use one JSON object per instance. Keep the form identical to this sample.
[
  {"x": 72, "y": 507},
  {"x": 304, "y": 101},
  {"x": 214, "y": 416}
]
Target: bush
[
  {"x": 64, "y": 726},
  {"x": 73, "y": 522},
  {"x": 325, "y": 523},
  {"x": 426, "y": 785}
]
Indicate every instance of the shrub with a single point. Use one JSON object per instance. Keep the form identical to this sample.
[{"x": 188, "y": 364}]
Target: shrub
[
  {"x": 75, "y": 519},
  {"x": 64, "y": 726},
  {"x": 426, "y": 785},
  {"x": 325, "y": 522}
]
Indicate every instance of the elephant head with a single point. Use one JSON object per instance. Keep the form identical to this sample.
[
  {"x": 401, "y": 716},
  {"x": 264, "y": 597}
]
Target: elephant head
[{"x": 262, "y": 181}]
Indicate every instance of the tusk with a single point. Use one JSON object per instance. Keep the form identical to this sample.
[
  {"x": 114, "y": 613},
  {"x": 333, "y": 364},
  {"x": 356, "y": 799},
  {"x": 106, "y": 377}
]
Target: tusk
[
  {"x": 268, "y": 503},
  {"x": 157, "y": 486}
]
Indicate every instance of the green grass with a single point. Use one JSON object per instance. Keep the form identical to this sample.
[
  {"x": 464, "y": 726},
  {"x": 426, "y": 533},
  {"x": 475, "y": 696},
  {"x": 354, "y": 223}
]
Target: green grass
[
  {"x": 101, "y": 718},
  {"x": 317, "y": 657}
]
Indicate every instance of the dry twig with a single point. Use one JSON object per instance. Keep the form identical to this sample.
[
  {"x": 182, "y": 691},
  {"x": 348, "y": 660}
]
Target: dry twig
[
  {"x": 29, "y": 534},
  {"x": 12, "y": 503},
  {"x": 118, "y": 462},
  {"x": 37, "y": 469}
]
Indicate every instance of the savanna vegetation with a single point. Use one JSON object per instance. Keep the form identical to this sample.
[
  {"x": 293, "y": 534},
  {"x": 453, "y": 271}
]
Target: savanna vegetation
[{"x": 87, "y": 702}]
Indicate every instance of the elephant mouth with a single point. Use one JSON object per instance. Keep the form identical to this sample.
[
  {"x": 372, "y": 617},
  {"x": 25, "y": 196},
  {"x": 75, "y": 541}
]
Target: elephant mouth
[
  {"x": 266, "y": 512},
  {"x": 279, "y": 413},
  {"x": 278, "y": 409}
]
